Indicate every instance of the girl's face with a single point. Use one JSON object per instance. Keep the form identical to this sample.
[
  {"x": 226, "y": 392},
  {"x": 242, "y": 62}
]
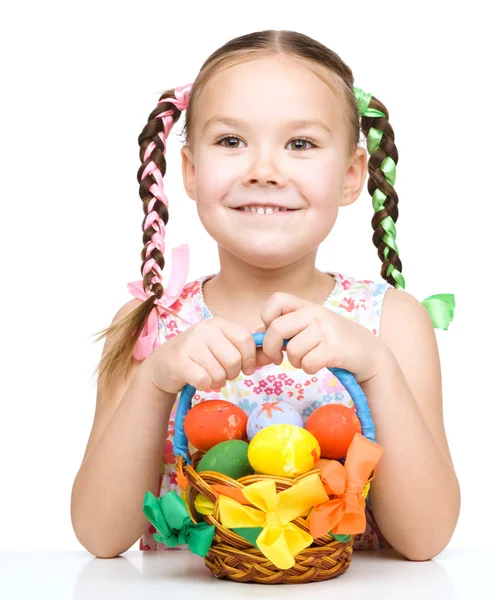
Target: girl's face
[{"x": 248, "y": 151}]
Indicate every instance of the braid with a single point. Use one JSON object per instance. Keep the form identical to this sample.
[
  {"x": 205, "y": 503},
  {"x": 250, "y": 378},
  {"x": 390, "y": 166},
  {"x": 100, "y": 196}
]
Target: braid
[
  {"x": 152, "y": 143},
  {"x": 382, "y": 173}
]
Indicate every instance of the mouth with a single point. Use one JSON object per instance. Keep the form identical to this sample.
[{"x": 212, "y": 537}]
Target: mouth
[{"x": 265, "y": 211}]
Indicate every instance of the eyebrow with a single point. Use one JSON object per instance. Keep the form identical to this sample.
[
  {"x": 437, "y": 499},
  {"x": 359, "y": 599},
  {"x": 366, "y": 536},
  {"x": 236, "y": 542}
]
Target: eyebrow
[{"x": 294, "y": 123}]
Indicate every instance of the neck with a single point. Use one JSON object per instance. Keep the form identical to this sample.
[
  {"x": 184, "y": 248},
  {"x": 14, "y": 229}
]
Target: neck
[{"x": 240, "y": 286}]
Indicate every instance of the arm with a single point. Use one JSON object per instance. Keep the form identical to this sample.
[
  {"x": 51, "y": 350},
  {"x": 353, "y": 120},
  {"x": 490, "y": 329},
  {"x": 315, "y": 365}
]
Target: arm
[
  {"x": 121, "y": 463},
  {"x": 415, "y": 495}
]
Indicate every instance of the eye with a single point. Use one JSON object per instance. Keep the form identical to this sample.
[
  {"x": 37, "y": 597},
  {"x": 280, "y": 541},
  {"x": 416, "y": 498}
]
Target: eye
[
  {"x": 236, "y": 139},
  {"x": 229, "y": 137},
  {"x": 303, "y": 139}
]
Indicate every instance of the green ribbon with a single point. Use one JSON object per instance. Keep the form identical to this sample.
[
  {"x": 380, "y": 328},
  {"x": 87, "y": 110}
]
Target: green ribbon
[
  {"x": 250, "y": 534},
  {"x": 388, "y": 167},
  {"x": 169, "y": 515},
  {"x": 441, "y": 309},
  {"x": 363, "y": 100},
  {"x": 439, "y": 306},
  {"x": 340, "y": 537}
]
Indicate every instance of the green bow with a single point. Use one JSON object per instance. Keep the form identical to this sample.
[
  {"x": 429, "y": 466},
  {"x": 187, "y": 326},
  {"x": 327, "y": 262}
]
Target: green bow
[
  {"x": 169, "y": 515},
  {"x": 441, "y": 309}
]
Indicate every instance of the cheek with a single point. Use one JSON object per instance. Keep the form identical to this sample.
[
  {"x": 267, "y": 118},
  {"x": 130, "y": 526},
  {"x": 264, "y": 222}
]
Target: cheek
[
  {"x": 321, "y": 186},
  {"x": 213, "y": 179}
]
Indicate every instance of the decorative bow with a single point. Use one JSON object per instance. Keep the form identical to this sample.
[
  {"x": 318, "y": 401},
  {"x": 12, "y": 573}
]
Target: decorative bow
[
  {"x": 345, "y": 513},
  {"x": 441, "y": 309},
  {"x": 168, "y": 514},
  {"x": 148, "y": 341},
  {"x": 280, "y": 540},
  {"x": 205, "y": 507}
]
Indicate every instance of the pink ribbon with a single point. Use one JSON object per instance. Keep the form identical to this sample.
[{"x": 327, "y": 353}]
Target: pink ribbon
[
  {"x": 148, "y": 339},
  {"x": 182, "y": 93}
]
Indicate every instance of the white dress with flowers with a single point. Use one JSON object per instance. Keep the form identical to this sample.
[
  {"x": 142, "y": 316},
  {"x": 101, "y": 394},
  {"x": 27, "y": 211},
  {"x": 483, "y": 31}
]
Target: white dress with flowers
[{"x": 359, "y": 300}]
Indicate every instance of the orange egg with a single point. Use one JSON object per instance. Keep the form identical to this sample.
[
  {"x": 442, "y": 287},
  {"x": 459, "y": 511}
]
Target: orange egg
[
  {"x": 334, "y": 426},
  {"x": 214, "y": 421}
]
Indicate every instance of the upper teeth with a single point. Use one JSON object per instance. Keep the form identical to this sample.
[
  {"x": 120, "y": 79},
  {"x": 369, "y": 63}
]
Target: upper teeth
[{"x": 262, "y": 210}]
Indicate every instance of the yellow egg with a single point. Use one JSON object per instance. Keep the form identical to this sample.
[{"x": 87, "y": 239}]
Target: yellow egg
[{"x": 283, "y": 450}]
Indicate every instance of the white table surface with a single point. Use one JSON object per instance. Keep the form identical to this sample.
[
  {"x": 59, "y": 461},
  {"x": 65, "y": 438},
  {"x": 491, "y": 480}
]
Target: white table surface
[{"x": 373, "y": 574}]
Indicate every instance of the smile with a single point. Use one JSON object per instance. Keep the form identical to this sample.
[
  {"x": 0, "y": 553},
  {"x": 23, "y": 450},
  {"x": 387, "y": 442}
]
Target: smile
[{"x": 264, "y": 211}]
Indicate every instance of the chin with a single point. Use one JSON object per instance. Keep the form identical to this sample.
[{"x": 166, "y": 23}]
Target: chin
[{"x": 264, "y": 260}]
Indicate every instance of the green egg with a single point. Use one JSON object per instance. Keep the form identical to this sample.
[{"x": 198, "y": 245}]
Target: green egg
[{"x": 229, "y": 458}]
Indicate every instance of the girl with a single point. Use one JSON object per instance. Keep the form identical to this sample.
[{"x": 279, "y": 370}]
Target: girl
[{"x": 272, "y": 132}]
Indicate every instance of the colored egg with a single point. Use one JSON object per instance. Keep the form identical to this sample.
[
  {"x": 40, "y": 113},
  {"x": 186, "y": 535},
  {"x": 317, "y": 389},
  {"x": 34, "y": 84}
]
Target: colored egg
[
  {"x": 283, "y": 450},
  {"x": 214, "y": 421},
  {"x": 334, "y": 426},
  {"x": 272, "y": 413},
  {"x": 229, "y": 458}
]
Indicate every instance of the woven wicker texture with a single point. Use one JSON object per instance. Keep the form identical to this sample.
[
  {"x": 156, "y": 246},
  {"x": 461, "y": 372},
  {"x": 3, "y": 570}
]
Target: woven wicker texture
[{"x": 233, "y": 557}]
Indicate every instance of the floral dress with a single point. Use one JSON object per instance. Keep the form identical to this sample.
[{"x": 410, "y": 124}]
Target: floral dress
[{"x": 359, "y": 300}]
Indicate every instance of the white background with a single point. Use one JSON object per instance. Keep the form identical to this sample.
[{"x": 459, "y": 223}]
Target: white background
[{"x": 79, "y": 80}]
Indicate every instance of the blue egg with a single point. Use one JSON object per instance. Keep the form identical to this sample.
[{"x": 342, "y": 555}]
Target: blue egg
[{"x": 272, "y": 413}]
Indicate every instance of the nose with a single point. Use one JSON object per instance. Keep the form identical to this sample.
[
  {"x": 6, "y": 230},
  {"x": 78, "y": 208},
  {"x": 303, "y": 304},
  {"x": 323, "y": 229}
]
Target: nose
[{"x": 264, "y": 170}]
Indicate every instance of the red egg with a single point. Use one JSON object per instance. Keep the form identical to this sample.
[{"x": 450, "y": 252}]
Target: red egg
[
  {"x": 214, "y": 421},
  {"x": 334, "y": 426}
]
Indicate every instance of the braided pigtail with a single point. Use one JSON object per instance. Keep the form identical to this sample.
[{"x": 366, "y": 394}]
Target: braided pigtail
[
  {"x": 135, "y": 335},
  {"x": 382, "y": 174},
  {"x": 150, "y": 175}
]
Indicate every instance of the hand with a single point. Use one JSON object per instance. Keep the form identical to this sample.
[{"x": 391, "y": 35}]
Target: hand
[
  {"x": 206, "y": 355},
  {"x": 320, "y": 338}
]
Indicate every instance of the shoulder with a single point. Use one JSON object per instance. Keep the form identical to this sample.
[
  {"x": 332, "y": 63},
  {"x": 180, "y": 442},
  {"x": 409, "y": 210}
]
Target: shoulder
[{"x": 403, "y": 316}]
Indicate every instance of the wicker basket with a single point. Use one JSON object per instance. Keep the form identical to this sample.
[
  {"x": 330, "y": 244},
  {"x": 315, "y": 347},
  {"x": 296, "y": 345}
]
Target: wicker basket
[{"x": 232, "y": 556}]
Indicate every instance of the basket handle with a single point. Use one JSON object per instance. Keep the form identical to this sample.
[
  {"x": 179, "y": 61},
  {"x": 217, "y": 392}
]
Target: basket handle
[{"x": 344, "y": 377}]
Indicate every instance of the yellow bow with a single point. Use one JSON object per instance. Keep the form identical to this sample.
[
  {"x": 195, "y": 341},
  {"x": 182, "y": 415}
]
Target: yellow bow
[{"x": 280, "y": 539}]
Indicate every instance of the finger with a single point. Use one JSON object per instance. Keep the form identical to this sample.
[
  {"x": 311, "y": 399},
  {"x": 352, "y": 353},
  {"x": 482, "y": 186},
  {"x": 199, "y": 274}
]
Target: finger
[
  {"x": 244, "y": 343},
  {"x": 280, "y": 304},
  {"x": 262, "y": 359},
  {"x": 301, "y": 346},
  {"x": 206, "y": 358},
  {"x": 228, "y": 356},
  {"x": 315, "y": 360},
  {"x": 284, "y": 327},
  {"x": 197, "y": 376}
]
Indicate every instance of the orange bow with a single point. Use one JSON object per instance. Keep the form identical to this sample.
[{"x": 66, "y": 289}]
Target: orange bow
[{"x": 345, "y": 512}]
